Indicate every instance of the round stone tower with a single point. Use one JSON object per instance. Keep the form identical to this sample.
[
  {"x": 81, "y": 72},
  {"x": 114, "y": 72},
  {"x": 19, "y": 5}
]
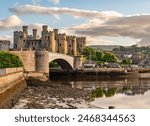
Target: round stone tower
[
  {"x": 25, "y": 31},
  {"x": 35, "y": 33}
]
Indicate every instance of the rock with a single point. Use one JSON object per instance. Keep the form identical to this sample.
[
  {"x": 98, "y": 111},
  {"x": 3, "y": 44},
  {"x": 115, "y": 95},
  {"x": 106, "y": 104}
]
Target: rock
[{"x": 111, "y": 107}]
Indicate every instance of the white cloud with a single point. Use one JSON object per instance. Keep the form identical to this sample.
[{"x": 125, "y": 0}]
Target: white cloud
[
  {"x": 55, "y": 1},
  {"x": 137, "y": 27},
  {"x": 98, "y": 23},
  {"x": 10, "y": 22},
  {"x": 6, "y": 37},
  {"x": 31, "y": 9}
]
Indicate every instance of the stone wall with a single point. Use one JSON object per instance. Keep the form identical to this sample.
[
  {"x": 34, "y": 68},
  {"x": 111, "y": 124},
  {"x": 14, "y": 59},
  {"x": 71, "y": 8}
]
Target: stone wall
[
  {"x": 34, "y": 61},
  {"x": 11, "y": 86},
  {"x": 28, "y": 58}
]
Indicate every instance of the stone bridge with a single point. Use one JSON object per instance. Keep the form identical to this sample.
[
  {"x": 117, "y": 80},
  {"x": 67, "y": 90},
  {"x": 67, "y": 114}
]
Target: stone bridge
[{"x": 38, "y": 61}]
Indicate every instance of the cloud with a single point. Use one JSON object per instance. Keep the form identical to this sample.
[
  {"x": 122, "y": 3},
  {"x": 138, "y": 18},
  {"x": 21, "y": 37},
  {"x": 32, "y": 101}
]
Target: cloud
[
  {"x": 55, "y": 1},
  {"x": 53, "y": 11},
  {"x": 9, "y": 22},
  {"x": 136, "y": 27},
  {"x": 98, "y": 23},
  {"x": 6, "y": 37}
]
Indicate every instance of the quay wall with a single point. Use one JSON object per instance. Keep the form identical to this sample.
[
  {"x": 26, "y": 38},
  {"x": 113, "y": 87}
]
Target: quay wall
[
  {"x": 11, "y": 86},
  {"x": 87, "y": 73}
]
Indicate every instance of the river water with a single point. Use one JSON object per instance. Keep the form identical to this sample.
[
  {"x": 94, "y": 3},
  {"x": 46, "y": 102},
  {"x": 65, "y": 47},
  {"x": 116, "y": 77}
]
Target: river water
[{"x": 132, "y": 91}]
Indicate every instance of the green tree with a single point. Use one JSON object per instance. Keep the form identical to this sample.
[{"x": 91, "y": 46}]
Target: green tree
[
  {"x": 8, "y": 60},
  {"x": 99, "y": 55},
  {"x": 111, "y": 92},
  {"x": 89, "y": 52},
  {"x": 122, "y": 48},
  {"x": 110, "y": 57},
  {"x": 126, "y": 61},
  {"x": 53, "y": 64},
  {"x": 98, "y": 92}
]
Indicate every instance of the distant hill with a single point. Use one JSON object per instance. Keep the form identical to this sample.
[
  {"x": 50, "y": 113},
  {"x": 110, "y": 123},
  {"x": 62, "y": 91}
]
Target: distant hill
[{"x": 104, "y": 47}]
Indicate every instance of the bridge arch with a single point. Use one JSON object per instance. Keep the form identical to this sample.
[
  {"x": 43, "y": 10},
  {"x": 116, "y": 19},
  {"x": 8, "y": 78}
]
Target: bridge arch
[
  {"x": 63, "y": 64},
  {"x": 65, "y": 61}
]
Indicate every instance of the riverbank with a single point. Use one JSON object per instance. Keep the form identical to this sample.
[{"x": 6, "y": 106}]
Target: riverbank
[{"x": 45, "y": 94}]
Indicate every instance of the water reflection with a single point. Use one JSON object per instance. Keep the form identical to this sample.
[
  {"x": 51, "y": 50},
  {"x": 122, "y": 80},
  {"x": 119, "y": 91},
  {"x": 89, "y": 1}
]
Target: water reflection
[
  {"x": 121, "y": 92},
  {"x": 99, "y": 92}
]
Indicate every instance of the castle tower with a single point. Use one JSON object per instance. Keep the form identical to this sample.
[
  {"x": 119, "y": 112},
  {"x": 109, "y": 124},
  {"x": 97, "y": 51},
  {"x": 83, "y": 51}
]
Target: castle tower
[
  {"x": 62, "y": 43},
  {"x": 45, "y": 37},
  {"x": 52, "y": 41},
  {"x": 81, "y": 44},
  {"x": 71, "y": 45},
  {"x": 74, "y": 45},
  {"x": 45, "y": 28},
  {"x": 25, "y": 31},
  {"x": 84, "y": 42},
  {"x": 56, "y": 33},
  {"x": 19, "y": 40},
  {"x": 34, "y": 33}
]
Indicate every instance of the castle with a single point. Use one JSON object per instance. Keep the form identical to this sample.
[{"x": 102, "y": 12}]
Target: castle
[{"x": 50, "y": 40}]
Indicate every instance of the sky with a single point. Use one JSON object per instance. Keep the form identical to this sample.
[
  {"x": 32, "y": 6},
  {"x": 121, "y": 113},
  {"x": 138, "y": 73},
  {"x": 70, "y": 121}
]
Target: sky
[{"x": 103, "y": 22}]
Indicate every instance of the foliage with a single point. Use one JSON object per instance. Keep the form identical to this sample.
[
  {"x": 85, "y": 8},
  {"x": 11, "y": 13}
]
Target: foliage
[
  {"x": 110, "y": 92},
  {"x": 110, "y": 57},
  {"x": 8, "y": 60},
  {"x": 100, "y": 63},
  {"x": 53, "y": 64},
  {"x": 98, "y": 92},
  {"x": 99, "y": 55},
  {"x": 126, "y": 61},
  {"x": 122, "y": 48},
  {"x": 87, "y": 51},
  {"x": 126, "y": 88}
]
